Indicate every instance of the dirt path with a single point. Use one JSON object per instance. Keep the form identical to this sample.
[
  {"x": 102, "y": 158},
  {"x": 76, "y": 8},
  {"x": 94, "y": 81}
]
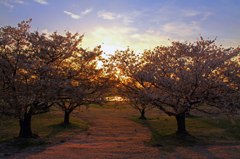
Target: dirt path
[{"x": 112, "y": 135}]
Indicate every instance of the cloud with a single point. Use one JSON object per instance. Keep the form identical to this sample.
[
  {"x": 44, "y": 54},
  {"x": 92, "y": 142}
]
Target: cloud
[
  {"x": 127, "y": 19},
  {"x": 72, "y": 15},
  {"x": 87, "y": 11},
  {"x": 78, "y": 16},
  {"x": 41, "y": 1},
  {"x": 194, "y": 13},
  {"x": 6, "y": 3},
  {"x": 108, "y": 15},
  {"x": 11, "y": 3},
  {"x": 181, "y": 29}
]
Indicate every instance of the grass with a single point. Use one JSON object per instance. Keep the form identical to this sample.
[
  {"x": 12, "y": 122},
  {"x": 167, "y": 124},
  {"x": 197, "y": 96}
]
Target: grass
[
  {"x": 204, "y": 131},
  {"x": 48, "y": 126},
  {"x": 9, "y": 128}
]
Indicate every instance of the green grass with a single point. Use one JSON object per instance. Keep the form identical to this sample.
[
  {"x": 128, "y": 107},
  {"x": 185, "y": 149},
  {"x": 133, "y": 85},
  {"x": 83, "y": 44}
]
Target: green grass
[
  {"x": 230, "y": 131},
  {"x": 203, "y": 131},
  {"x": 9, "y": 128},
  {"x": 48, "y": 126}
]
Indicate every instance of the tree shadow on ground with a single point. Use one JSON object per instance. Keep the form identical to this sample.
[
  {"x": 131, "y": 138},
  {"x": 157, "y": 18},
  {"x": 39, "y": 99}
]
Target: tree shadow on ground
[
  {"x": 59, "y": 134},
  {"x": 203, "y": 133}
]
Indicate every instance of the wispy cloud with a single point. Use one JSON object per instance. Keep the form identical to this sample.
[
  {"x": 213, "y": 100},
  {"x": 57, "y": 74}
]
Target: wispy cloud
[
  {"x": 181, "y": 29},
  {"x": 106, "y": 15},
  {"x": 72, "y": 15},
  {"x": 127, "y": 19},
  {"x": 194, "y": 13},
  {"x": 41, "y": 1},
  {"x": 6, "y": 3},
  {"x": 78, "y": 16},
  {"x": 87, "y": 11},
  {"x": 11, "y": 3}
]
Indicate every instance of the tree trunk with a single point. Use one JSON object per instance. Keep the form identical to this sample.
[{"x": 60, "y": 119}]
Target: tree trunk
[
  {"x": 181, "y": 128},
  {"x": 25, "y": 126},
  {"x": 66, "y": 117},
  {"x": 142, "y": 117}
]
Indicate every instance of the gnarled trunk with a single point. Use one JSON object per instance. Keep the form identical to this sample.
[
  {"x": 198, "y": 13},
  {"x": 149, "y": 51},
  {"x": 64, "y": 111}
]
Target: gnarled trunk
[
  {"x": 181, "y": 124},
  {"x": 142, "y": 117},
  {"x": 25, "y": 126},
  {"x": 66, "y": 120}
]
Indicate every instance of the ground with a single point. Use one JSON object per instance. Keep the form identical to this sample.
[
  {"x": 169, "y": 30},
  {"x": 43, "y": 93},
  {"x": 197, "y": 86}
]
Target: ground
[{"x": 112, "y": 134}]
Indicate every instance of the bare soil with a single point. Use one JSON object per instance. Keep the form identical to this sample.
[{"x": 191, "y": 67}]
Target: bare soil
[{"x": 113, "y": 135}]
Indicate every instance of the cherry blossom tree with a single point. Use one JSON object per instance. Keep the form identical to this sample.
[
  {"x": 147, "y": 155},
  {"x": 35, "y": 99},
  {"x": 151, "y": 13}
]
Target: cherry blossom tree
[
  {"x": 39, "y": 70},
  {"x": 79, "y": 81},
  {"x": 125, "y": 65},
  {"x": 24, "y": 89},
  {"x": 182, "y": 76}
]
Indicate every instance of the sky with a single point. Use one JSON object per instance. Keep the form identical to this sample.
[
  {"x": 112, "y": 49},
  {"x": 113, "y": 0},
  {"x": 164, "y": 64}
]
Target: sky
[{"x": 138, "y": 24}]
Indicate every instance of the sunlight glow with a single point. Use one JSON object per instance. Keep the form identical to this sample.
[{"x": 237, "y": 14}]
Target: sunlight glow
[{"x": 120, "y": 38}]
